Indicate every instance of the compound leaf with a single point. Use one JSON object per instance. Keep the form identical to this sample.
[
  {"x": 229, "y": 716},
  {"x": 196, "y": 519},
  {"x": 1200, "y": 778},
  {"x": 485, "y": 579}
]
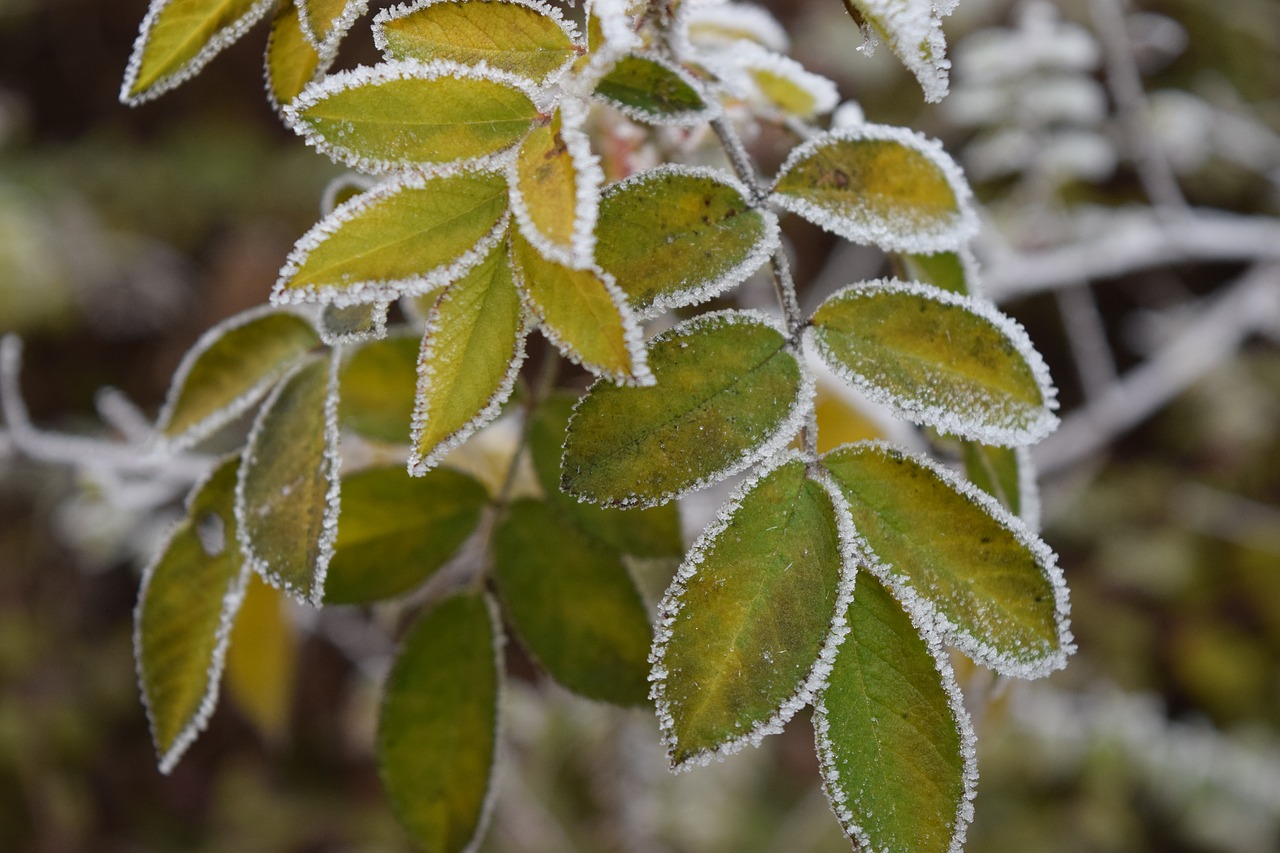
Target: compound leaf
[
  {"x": 262, "y": 659},
  {"x": 291, "y": 61},
  {"x": 913, "y": 30},
  {"x": 653, "y": 91},
  {"x": 375, "y": 389},
  {"x": 555, "y": 181}
]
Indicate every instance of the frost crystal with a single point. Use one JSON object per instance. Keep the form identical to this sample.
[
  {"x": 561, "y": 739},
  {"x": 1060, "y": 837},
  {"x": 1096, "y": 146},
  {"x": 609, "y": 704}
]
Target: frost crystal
[
  {"x": 326, "y": 43},
  {"x": 913, "y": 29}
]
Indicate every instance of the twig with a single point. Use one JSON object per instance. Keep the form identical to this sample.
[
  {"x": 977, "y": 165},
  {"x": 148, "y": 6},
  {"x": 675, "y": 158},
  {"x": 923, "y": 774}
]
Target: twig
[{"x": 1087, "y": 338}]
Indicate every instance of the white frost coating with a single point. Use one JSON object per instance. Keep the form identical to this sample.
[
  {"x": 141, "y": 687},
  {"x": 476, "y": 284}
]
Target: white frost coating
[
  {"x": 913, "y": 29},
  {"x": 387, "y": 72},
  {"x": 686, "y": 118},
  {"x": 588, "y": 177},
  {"x": 326, "y": 43},
  {"x": 371, "y": 290},
  {"x": 223, "y": 38},
  {"x": 899, "y": 233},
  {"x": 826, "y": 748},
  {"x": 232, "y": 410},
  {"x": 351, "y": 180},
  {"x": 325, "y": 63},
  {"x": 848, "y": 114},
  {"x": 701, "y": 291},
  {"x": 377, "y": 326},
  {"x": 948, "y": 418},
  {"x": 616, "y": 24},
  {"x": 745, "y": 56},
  {"x": 1028, "y": 489},
  {"x": 727, "y": 23},
  {"x": 924, "y": 613}
]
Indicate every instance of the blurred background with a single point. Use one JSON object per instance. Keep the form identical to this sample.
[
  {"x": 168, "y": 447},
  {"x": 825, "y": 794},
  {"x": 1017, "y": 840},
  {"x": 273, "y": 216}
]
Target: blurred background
[{"x": 1127, "y": 157}]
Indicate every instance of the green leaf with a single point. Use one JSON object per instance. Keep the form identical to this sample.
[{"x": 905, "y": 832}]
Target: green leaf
[
  {"x": 187, "y": 604},
  {"x": 653, "y": 91},
  {"x": 287, "y": 496},
  {"x": 471, "y": 355},
  {"x": 677, "y": 235},
  {"x": 438, "y": 729},
  {"x": 937, "y": 358},
  {"x": 262, "y": 660},
  {"x": 179, "y": 37},
  {"x": 325, "y": 22},
  {"x": 406, "y": 236},
  {"x": 555, "y": 182},
  {"x": 956, "y": 559},
  {"x": 403, "y": 114},
  {"x": 881, "y": 185},
  {"x": 893, "y": 738},
  {"x": 1005, "y": 474},
  {"x": 398, "y": 530},
  {"x": 729, "y": 393},
  {"x": 353, "y": 324},
  {"x": 583, "y": 313},
  {"x": 953, "y": 271},
  {"x": 291, "y": 61},
  {"x": 573, "y": 604},
  {"x": 913, "y": 31},
  {"x": 652, "y": 532},
  {"x": 510, "y": 36},
  {"x": 750, "y": 621},
  {"x": 229, "y": 369},
  {"x": 375, "y": 389}
]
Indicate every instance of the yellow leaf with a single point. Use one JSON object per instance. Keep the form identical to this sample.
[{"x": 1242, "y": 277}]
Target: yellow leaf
[{"x": 262, "y": 660}]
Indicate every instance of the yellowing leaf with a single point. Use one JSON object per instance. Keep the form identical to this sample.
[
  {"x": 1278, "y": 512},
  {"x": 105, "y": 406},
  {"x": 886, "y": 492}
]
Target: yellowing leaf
[
  {"x": 187, "y": 604},
  {"x": 839, "y": 420},
  {"x": 511, "y": 35},
  {"x": 749, "y": 623},
  {"x": 399, "y": 114},
  {"x": 880, "y": 185},
  {"x": 398, "y": 530},
  {"x": 1001, "y": 472},
  {"x": 675, "y": 236},
  {"x": 179, "y": 37},
  {"x": 325, "y": 22},
  {"x": 404, "y": 237},
  {"x": 729, "y": 392},
  {"x": 939, "y": 359},
  {"x": 262, "y": 660},
  {"x": 292, "y": 61},
  {"x": 583, "y": 313},
  {"x": 287, "y": 496},
  {"x": 437, "y": 734},
  {"x": 953, "y": 271},
  {"x": 653, "y": 91},
  {"x": 375, "y": 389},
  {"x": 783, "y": 83},
  {"x": 956, "y": 559},
  {"x": 229, "y": 369},
  {"x": 471, "y": 355},
  {"x": 913, "y": 30},
  {"x": 555, "y": 182},
  {"x": 893, "y": 738}
]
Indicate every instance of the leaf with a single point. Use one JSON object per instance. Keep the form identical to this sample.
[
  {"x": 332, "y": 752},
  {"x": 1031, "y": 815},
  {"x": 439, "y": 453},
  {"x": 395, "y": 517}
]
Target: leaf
[
  {"x": 471, "y": 355},
  {"x": 881, "y": 185},
  {"x": 352, "y": 324},
  {"x": 782, "y": 82},
  {"x": 405, "y": 113},
  {"x": 995, "y": 470},
  {"x": 228, "y": 370},
  {"x": 526, "y": 38},
  {"x": 287, "y": 495},
  {"x": 913, "y": 31},
  {"x": 953, "y": 271},
  {"x": 291, "y": 61},
  {"x": 956, "y": 559},
  {"x": 893, "y": 738},
  {"x": 438, "y": 730},
  {"x": 676, "y": 236},
  {"x": 325, "y": 22},
  {"x": 179, "y": 37},
  {"x": 573, "y": 604},
  {"x": 583, "y": 313},
  {"x": 747, "y": 629},
  {"x": 406, "y": 236},
  {"x": 937, "y": 358},
  {"x": 650, "y": 90},
  {"x": 262, "y": 660},
  {"x": 375, "y": 389},
  {"x": 186, "y": 606},
  {"x": 729, "y": 393},
  {"x": 398, "y": 530},
  {"x": 652, "y": 532}
]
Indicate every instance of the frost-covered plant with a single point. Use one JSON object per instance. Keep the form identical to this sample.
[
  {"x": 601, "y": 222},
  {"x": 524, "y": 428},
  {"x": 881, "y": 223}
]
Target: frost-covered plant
[{"x": 505, "y": 137}]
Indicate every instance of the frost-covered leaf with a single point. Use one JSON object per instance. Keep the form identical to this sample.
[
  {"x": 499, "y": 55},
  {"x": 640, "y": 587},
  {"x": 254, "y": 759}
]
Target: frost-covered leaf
[
  {"x": 407, "y": 113},
  {"x": 573, "y": 604},
  {"x": 997, "y": 471},
  {"x": 352, "y": 324},
  {"x": 555, "y": 183},
  {"x": 651, "y": 532},
  {"x": 728, "y": 23},
  {"x": 781, "y": 82},
  {"x": 406, "y": 236},
  {"x": 262, "y": 660},
  {"x": 398, "y": 530},
  {"x": 956, "y": 559},
  {"x": 954, "y": 271},
  {"x": 893, "y": 738},
  {"x": 675, "y": 236},
  {"x": 913, "y": 31},
  {"x": 179, "y": 37},
  {"x": 937, "y": 358},
  {"x": 729, "y": 393},
  {"x": 524, "y": 37},
  {"x": 287, "y": 495},
  {"x": 751, "y": 621},
  {"x": 291, "y": 61},
  {"x": 652, "y": 91},
  {"x": 325, "y": 22},
  {"x": 187, "y": 604},
  {"x": 229, "y": 369},
  {"x": 438, "y": 731},
  {"x": 375, "y": 389},
  {"x": 583, "y": 313},
  {"x": 470, "y": 356},
  {"x": 881, "y": 185}
]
